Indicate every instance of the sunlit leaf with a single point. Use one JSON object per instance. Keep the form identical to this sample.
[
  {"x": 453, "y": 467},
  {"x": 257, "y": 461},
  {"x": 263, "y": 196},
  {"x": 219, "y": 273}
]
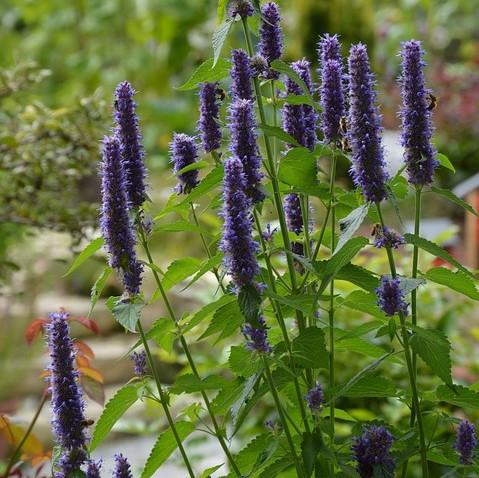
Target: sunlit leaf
[{"x": 87, "y": 252}]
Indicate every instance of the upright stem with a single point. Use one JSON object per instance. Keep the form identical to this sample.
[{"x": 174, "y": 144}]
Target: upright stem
[
  {"x": 409, "y": 363},
  {"x": 19, "y": 447},
  {"x": 164, "y": 400},
  {"x": 184, "y": 345},
  {"x": 279, "y": 406}
]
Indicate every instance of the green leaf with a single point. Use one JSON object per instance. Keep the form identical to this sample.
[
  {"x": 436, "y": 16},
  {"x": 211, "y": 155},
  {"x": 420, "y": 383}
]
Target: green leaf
[
  {"x": 242, "y": 362},
  {"x": 453, "y": 198},
  {"x": 126, "y": 311},
  {"x": 164, "y": 446},
  {"x": 435, "y": 250},
  {"x": 98, "y": 287},
  {"x": 362, "y": 347},
  {"x": 226, "y": 321},
  {"x": 208, "y": 309},
  {"x": 359, "y": 276},
  {"x": 457, "y": 281},
  {"x": 205, "y": 267},
  {"x": 277, "y": 132},
  {"x": 338, "y": 414},
  {"x": 364, "y": 302},
  {"x": 445, "y": 163},
  {"x": 350, "y": 224},
  {"x": 221, "y": 11},
  {"x": 207, "y": 71},
  {"x": 298, "y": 169},
  {"x": 309, "y": 349},
  {"x": 193, "y": 166},
  {"x": 459, "y": 396},
  {"x": 284, "y": 68},
  {"x": 310, "y": 447},
  {"x": 362, "y": 329},
  {"x": 113, "y": 411},
  {"x": 399, "y": 186},
  {"x": 87, "y": 252},
  {"x": 434, "y": 348},
  {"x": 219, "y": 37},
  {"x": 190, "y": 383},
  {"x": 209, "y": 471},
  {"x": 178, "y": 226},
  {"x": 162, "y": 332},
  {"x": 371, "y": 386},
  {"x": 303, "y": 302},
  {"x": 249, "y": 301},
  {"x": 298, "y": 100},
  {"x": 180, "y": 270},
  {"x": 214, "y": 177}
]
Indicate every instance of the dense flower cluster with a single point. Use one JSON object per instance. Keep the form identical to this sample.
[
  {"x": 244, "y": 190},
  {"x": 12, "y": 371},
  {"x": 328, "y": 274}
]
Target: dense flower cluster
[
  {"x": 416, "y": 116},
  {"x": 93, "y": 469},
  {"x": 364, "y": 128},
  {"x": 183, "y": 152},
  {"x": 257, "y": 337},
  {"x": 208, "y": 124},
  {"x": 241, "y": 74},
  {"x": 315, "y": 398},
  {"x": 270, "y": 44},
  {"x": 243, "y": 8},
  {"x": 386, "y": 237},
  {"x": 139, "y": 363},
  {"x": 115, "y": 223},
  {"x": 244, "y": 146},
  {"x": 329, "y": 48},
  {"x": 67, "y": 402},
  {"x": 390, "y": 297},
  {"x": 466, "y": 441},
  {"x": 122, "y": 467},
  {"x": 132, "y": 153},
  {"x": 292, "y": 210},
  {"x": 372, "y": 452},
  {"x": 237, "y": 243}
]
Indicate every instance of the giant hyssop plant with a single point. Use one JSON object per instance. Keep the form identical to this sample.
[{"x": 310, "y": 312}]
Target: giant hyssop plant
[{"x": 273, "y": 154}]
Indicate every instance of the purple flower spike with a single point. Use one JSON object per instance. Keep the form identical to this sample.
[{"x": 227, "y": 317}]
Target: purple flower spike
[
  {"x": 292, "y": 210},
  {"x": 244, "y": 146},
  {"x": 183, "y": 152},
  {"x": 390, "y": 297},
  {"x": 93, "y": 470},
  {"x": 466, "y": 442},
  {"x": 241, "y": 74},
  {"x": 415, "y": 116},
  {"x": 329, "y": 48},
  {"x": 237, "y": 243},
  {"x": 122, "y": 467},
  {"x": 67, "y": 402},
  {"x": 315, "y": 398},
  {"x": 115, "y": 223},
  {"x": 270, "y": 45},
  {"x": 257, "y": 337},
  {"x": 364, "y": 128},
  {"x": 139, "y": 361},
  {"x": 243, "y": 8},
  {"x": 388, "y": 238},
  {"x": 208, "y": 124},
  {"x": 132, "y": 153},
  {"x": 372, "y": 452}
]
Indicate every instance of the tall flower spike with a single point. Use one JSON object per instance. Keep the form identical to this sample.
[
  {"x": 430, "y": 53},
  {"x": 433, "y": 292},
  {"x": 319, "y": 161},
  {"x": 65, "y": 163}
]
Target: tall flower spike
[
  {"x": 67, "y": 402},
  {"x": 93, "y": 470},
  {"x": 241, "y": 74},
  {"x": 329, "y": 48},
  {"x": 292, "y": 210},
  {"x": 372, "y": 451},
  {"x": 466, "y": 441},
  {"x": 364, "y": 128},
  {"x": 183, "y": 152},
  {"x": 122, "y": 467},
  {"x": 208, "y": 124},
  {"x": 132, "y": 152},
  {"x": 115, "y": 222},
  {"x": 390, "y": 297},
  {"x": 415, "y": 116},
  {"x": 270, "y": 45},
  {"x": 237, "y": 243},
  {"x": 244, "y": 146}
]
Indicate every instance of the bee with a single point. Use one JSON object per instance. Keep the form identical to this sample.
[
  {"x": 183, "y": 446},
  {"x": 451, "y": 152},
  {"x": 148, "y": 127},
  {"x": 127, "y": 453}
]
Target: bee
[
  {"x": 87, "y": 423},
  {"x": 343, "y": 125},
  {"x": 433, "y": 101},
  {"x": 220, "y": 94},
  {"x": 345, "y": 145},
  {"x": 376, "y": 230}
]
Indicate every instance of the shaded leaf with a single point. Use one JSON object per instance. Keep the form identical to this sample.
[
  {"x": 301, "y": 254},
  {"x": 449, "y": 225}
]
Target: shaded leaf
[
  {"x": 249, "y": 301},
  {"x": 242, "y": 362},
  {"x": 93, "y": 389},
  {"x": 446, "y": 193},
  {"x": 190, "y": 383},
  {"x": 205, "y": 267},
  {"x": 445, "y": 162},
  {"x": 207, "y": 310},
  {"x": 298, "y": 169},
  {"x": 125, "y": 311},
  {"x": 371, "y": 386},
  {"x": 34, "y": 329},
  {"x": 226, "y": 321},
  {"x": 180, "y": 270},
  {"x": 287, "y": 70},
  {"x": 459, "y": 396},
  {"x": 279, "y": 133},
  {"x": 309, "y": 349},
  {"x": 457, "y": 281}
]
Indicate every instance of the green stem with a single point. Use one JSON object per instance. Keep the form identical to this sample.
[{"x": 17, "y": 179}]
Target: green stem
[
  {"x": 164, "y": 400},
  {"x": 284, "y": 421},
  {"x": 184, "y": 345},
  {"x": 18, "y": 449},
  {"x": 407, "y": 352}
]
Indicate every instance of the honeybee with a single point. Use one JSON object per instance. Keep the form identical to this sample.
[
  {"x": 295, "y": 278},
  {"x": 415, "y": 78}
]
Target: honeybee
[
  {"x": 376, "y": 230},
  {"x": 433, "y": 101},
  {"x": 345, "y": 145},
  {"x": 87, "y": 423},
  {"x": 343, "y": 125},
  {"x": 220, "y": 94}
]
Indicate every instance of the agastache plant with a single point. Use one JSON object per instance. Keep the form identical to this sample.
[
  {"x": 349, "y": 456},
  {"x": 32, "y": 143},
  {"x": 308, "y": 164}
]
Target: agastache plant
[{"x": 304, "y": 337}]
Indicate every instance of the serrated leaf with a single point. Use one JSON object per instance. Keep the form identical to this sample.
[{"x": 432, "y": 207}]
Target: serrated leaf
[
  {"x": 298, "y": 169},
  {"x": 287, "y": 70},
  {"x": 249, "y": 301},
  {"x": 226, "y": 321},
  {"x": 205, "y": 267},
  {"x": 126, "y": 311},
  {"x": 359, "y": 276},
  {"x": 434, "y": 348},
  {"x": 279, "y": 133},
  {"x": 242, "y": 362},
  {"x": 310, "y": 447},
  {"x": 219, "y": 37},
  {"x": 85, "y": 254},
  {"x": 209, "y": 471},
  {"x": 459, "y": 396},
  {"x": 98, "y": 287},
  {"x": 371, "y": 386},
  {"x": 207, "y": 71},
  {"x": 350, "y": 224},
  {"x": 190, "y": 383},
  {"x": 303, "y": 302},
  {"x": 180, "y": 270},
  {"x": 364, "y": 302},
  {"x": 213, "y": 178},
  {"x": 206, "y": 310},
  {"x": 362, "y": 347},
  {"x": 457, "y": 281},
  {"x": 309, "y": 349},
  {"x": 453, "y": 198},
  {"x": 298, "y": 100},
  {"x": 362, "y": 329},
  {"x": 178, "y": 226},
  {"x": 164, "y": 446},
  {"x": 435, "y": 250},
  {"x": 243, "y": 397},
  {"x": 445, "y": 162},
  {"x": 399, "y": 186},
  {"x": 113, "y": 411},
  {"x": 162, "y": 332}
]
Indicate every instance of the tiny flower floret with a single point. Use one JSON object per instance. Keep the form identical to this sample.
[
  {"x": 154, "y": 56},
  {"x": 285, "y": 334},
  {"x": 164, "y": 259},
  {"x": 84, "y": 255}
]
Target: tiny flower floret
[{"x": 390, "y": 297}]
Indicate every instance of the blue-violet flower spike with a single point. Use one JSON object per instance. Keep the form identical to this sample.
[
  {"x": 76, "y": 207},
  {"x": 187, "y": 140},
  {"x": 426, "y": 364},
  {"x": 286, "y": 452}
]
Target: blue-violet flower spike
[
  {"x": 93, "y": 469},
  {"x": 208, "y": 124},
  {"x": 390, "y": 297},
  {"x": 122, "y": 467},
  {"x": 364, "y": 128},
  {"x": 183, "y": 152},
  {"x": 387, "y": 238},
  {"x": 132, "y": 152},
  {"x": 139, "y": 363},
  {"x": 329, "y": 48},
  {"x": 270, "y": 45},
  {"x": 415, "y": 116},
  {"x": 241, "y": 74},
  {"x": 257, "y": 337},
  {"x": 315, "y": 398},
  {"x": 243, "y": 8},
  {"x": 466, "y": 441}
]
